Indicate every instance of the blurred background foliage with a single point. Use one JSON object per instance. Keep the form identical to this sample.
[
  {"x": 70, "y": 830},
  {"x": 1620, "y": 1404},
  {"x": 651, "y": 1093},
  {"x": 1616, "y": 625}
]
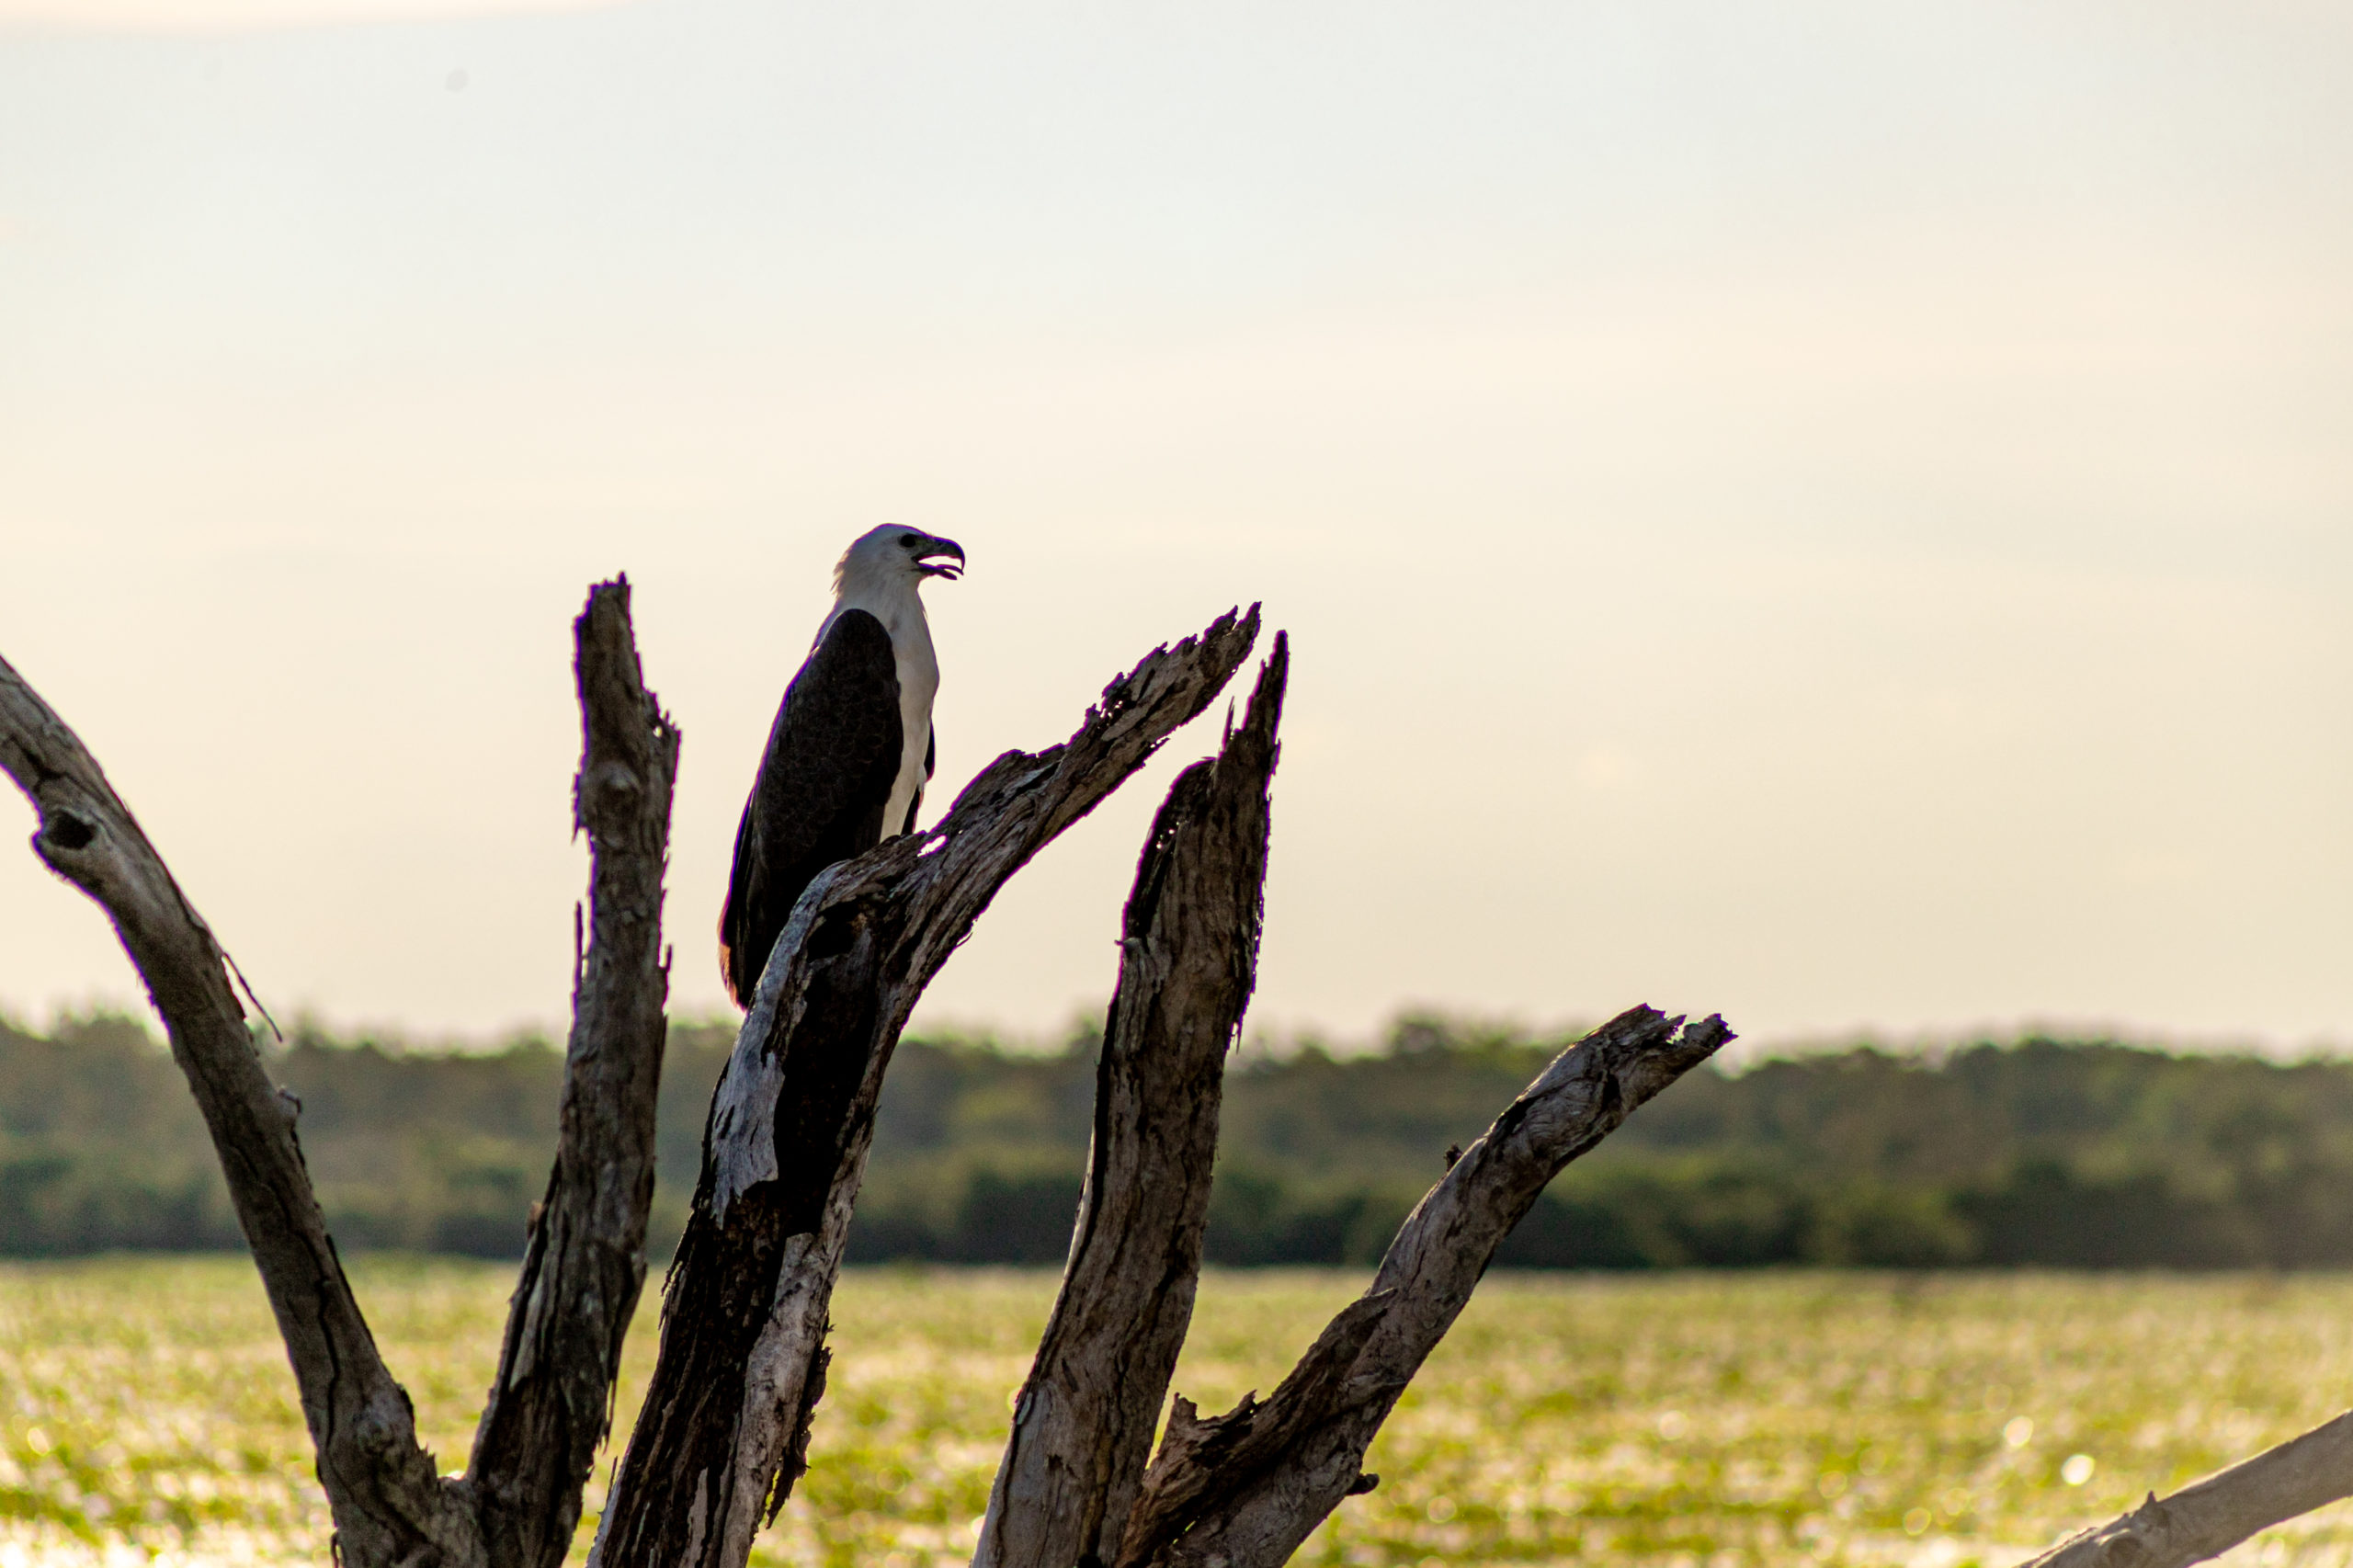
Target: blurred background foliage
[{"x": 2070, "y": 1153}]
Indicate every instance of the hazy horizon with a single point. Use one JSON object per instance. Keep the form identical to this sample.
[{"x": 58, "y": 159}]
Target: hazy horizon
[{"x": 1837, "y": 516}]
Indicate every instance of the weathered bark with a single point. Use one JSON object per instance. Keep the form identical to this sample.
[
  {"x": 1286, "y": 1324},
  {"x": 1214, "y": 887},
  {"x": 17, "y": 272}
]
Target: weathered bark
[
  {"x": 517, "y": 1505},
  {"x": 584, "y": 1262},
  {"x": 1243, "y": 1490},
  {"x": 1083, "y": 1423},
  {"x": 723, "y": 1433},
  {"x": 2208, "y": 1518},
  {"x": 388, "y": 1504}
]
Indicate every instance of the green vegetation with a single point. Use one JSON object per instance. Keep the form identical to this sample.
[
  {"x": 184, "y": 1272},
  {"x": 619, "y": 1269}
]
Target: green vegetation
[
  {"x": 1657, "y": 1420},
  {"x": 2064, "y": 1155}
]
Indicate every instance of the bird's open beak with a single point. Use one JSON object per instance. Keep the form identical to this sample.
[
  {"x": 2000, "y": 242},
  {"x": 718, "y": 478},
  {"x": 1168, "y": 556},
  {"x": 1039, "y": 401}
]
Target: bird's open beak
[{"x": 935, "y": 552}]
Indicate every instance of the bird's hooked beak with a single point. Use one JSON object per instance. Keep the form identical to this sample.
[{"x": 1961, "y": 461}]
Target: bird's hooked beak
[{"x": 935, "y": 552}]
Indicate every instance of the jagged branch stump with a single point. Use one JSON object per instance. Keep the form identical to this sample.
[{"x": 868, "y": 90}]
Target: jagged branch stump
[
  {"x": 583, "y": 1260},
  {"x": 1189, "y": 949}
]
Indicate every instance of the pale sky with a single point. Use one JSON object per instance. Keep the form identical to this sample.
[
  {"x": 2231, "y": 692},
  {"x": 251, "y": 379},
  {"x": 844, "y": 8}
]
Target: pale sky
[{"x": 1837, "y": 513}]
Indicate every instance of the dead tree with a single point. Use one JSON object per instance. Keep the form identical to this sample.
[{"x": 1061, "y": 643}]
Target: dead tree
[{"x": 725, "y": 1429}]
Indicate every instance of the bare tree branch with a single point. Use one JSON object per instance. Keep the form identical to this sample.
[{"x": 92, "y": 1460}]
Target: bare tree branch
[
  {"x": 1243, "y": 1490},
  {"x": 1082, "y": 1425},
  {"x": 389, "y": 1504},
  {"x": 2208, "y": 1518},
  {"x": 585, "y": 1260},
  {"x": 723, "y": 1433}
]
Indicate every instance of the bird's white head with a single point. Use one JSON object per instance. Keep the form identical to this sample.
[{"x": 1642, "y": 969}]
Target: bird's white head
[{"x": 895, "y": 559}]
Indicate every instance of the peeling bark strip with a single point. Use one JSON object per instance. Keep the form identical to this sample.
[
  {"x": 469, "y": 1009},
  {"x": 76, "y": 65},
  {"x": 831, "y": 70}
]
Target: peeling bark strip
[
  {"x": 1243, "y": 1490},
  {"x": 2208, "y": 1518},
  {"x": 390, "y": 1505},
  {"x": 723, "y": 1432},
  {"x": 584, "y": 1262},
  {"x": 1188, "y": 950}
]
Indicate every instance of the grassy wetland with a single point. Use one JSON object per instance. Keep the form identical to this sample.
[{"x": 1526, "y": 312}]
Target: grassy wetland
[{"x": 1683, "y": 1420}]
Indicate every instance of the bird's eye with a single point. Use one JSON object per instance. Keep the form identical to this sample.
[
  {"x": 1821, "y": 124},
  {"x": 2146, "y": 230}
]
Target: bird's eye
[{"x": 908, "y": 541}]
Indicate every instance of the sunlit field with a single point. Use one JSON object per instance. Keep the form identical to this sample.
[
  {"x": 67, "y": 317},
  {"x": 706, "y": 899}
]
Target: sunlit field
[{"x": 1692, "y": 1421}]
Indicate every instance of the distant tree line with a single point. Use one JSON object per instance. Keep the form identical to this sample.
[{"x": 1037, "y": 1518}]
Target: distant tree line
[{"x": 2043, "y": 1153}]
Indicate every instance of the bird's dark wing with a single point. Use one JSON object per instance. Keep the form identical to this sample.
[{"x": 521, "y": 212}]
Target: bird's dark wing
[{"x": 832, "y": 755}]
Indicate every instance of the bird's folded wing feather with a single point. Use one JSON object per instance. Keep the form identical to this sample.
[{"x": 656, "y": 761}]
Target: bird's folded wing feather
[{"x": 832, "y": 756}]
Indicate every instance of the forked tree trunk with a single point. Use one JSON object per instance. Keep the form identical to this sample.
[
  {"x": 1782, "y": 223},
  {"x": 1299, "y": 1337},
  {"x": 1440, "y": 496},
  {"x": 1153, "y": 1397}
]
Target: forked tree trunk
[
  {"x": 1243, "y": 1489},
  {"x": 516, "y": 1505}
]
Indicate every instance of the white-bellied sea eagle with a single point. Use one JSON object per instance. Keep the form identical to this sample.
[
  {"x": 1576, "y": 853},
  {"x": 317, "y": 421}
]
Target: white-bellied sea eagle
[{"x": 851, "y": 748}]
